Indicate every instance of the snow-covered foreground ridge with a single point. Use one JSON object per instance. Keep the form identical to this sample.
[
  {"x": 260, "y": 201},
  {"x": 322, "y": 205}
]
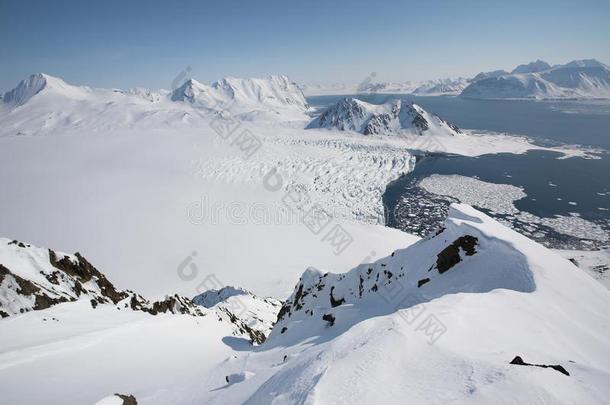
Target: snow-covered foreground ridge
[{"x": 438, "y": 321}]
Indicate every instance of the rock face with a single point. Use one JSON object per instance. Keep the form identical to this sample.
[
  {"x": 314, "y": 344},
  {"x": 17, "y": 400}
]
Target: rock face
[
  {"x": 393, "y": 117},
  {"x": 577, "y": 79}
]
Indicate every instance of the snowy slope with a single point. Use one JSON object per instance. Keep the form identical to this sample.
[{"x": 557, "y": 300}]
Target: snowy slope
[
  {"x": 272, "y": 95},
  {"x": 577, "y": 79},
  {"x": 258, "y": 314},
  {"x": 486, "y": 75},
  {"x": 35, "y": 279},
  {"x": 42, "y": 104},
  {"x": 446, "y": 87},
  {"x": 436, "y": 87},
  {"x": 438, "y": 322},
  {"x": 532, "y": 67},
  {"x": 392, "y": 117}
]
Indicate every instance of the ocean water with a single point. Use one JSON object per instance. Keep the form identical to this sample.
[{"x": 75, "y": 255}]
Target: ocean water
[{"x": 554, "y": 188}]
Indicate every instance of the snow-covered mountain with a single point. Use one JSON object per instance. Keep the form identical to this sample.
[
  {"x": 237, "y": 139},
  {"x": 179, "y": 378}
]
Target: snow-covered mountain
[
  {"x": 444, "y": 87},
  {"x": 255, "y": 315},
  {"x": 447, "y": 87},
  {"x": 392, "y": 117},
  {"x": 43, "y": 104},
  {"x": 577, "y": 79},
  {"x": 532, "y": 67},
  {"x": 274, "y": 93},
  {"x": 37, "y": 83},
  {"x": 34, "y": 279},
  {"x": 486, "y": 75},
  {"x": 477, "y": 311},
  {"x": 475, "y": 308}
]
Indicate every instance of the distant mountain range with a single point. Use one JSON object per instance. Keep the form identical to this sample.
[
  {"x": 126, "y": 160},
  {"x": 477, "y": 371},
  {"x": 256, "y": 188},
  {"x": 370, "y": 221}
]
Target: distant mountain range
[
  {"x": 538, "y": 80},
  {"x": 586, "y": 78},
  {"x": 42, "y": 103}
]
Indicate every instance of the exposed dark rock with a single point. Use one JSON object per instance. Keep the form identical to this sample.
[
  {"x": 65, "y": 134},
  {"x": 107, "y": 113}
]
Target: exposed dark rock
[
  {"x": 330, "y": 318},
  {"x": 334, "y": 302},
  {"x": 284, "y": 329},
  {"x": 422, "y": 282},
  {"x": 16, "y": 242},
  {"x": 127, "y": 399},
  {"x": 450, "y": 256},
  {"x": 519, "y": 361},
  {"x": 84, "y": 271}
]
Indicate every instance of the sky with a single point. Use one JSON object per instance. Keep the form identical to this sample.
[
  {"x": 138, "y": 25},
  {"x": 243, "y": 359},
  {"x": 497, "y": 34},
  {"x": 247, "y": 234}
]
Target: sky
[{"x": 148, "y": 43}]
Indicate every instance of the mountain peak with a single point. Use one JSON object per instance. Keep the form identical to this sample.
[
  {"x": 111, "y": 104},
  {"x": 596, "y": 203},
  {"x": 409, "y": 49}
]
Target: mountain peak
[
  {"x": 36, "y": 83},
  {"x": 392, "y": 117},
  {"x": 532, "y": 67}
]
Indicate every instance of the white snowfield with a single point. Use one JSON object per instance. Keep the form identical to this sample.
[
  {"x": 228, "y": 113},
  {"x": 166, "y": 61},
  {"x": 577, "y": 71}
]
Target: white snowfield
[{"x": 494, "y": 296}]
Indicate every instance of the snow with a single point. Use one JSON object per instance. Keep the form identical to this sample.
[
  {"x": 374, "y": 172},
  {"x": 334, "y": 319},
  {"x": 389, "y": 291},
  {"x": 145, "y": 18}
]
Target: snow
[
  {"x": 436, "y": 87},
  {"x": 162, "y": 171},
  {"x": 577, "y": 79},
  {"x": 272, "y": 95},
  {"x": 394, "y": 116},
  {"x": 532, "y": 67},
  {"x": 104, "y": 351},
  {"x": 595, "y": 262},
  {"x": 510, "y": 297},
  {"x": 518, "y": 299}
]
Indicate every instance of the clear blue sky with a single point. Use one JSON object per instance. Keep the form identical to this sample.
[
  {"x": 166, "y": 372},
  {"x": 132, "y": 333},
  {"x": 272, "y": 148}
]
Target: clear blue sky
[{"x": 109, "y": 43}]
